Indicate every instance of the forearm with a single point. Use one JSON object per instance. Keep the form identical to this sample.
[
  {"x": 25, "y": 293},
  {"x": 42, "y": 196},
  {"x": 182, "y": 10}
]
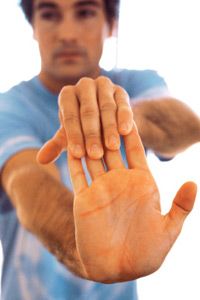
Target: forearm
[
  {"x": 167, "y": 126},
  {"x": 45, "y": 207}
]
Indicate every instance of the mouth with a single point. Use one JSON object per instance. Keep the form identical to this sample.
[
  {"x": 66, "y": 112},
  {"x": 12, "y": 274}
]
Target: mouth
[{"x": 69, "y": 55}]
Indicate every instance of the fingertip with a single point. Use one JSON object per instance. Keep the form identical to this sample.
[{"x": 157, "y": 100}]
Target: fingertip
[
  {"x": 185, "y": 197},
  {"x": 42, "y": 155},
  {"x": 113, "y": 143},
  {"x": 95, "y": 152},
  {"x": 182, "y": 205},
  {"x": 190, "y": 192},
  {"x": 95, "y": 156},
  {"x": 190, "y": 185},
  {"x": 76, "y": 151},
  {"x": 125, "y": 128},
  {"x": 48, "y": 153},
  {"x": 41, "y": 158}
]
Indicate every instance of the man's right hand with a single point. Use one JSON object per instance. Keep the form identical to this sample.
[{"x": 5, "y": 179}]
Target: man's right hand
[{"x": 93, "y": 113}]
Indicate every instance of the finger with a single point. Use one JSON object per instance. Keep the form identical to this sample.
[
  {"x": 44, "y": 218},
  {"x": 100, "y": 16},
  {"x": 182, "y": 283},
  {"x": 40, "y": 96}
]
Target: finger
[
  {"x": 52, "y": 149},
  {"x": 95, "y": 167},
  {"x": 78, "y": 178},
  {"x": 70, "y": 118},
  {"x": 113, "y": 160},
  {"x": 90, "y": 120},
  {"x": 124, "y": 111},
  {"x": 108, "y": 110},
  {"x": 135, "y": 153},
  {"x": 182, "y": 204}
]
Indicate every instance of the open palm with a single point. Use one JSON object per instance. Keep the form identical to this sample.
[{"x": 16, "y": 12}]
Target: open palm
[{"x": 120, "y": 232}]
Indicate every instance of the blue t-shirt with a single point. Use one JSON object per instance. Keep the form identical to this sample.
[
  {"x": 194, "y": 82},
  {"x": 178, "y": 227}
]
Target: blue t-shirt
[{"x": 28, "y": 118}]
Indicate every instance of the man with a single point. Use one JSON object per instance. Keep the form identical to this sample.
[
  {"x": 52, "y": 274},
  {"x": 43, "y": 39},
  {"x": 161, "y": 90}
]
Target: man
[{"x": 42, "y": 221}]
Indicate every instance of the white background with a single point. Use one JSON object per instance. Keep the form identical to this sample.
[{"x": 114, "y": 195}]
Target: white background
[{"x": 158, "y": 34}]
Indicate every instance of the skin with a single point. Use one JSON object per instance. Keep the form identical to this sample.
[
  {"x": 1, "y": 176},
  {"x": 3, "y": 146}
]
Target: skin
[
  {"x": 70, "y": 37},
  {"x": 124, "y": 203},
  {"x": 111, "y": 111},
  {"x": 167, "y": 126},
  {"x": 55, "y": 215},
  {"x": 43, "y": 205},
  {"x": 134, "y": 237}
]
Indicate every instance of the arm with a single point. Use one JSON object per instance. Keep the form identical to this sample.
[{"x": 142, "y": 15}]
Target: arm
[
  {"x": 167, "y": 125},
  {"x": 43, "y": 205}
]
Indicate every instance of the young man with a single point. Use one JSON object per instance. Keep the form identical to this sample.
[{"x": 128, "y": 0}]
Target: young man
[{"x": 41, "y": 220}]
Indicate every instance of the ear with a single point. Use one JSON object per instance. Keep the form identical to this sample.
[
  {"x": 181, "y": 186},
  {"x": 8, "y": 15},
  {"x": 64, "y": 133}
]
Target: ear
[
  {"x": 113, "y": 28},
  {"x": 34, "y": 33}
]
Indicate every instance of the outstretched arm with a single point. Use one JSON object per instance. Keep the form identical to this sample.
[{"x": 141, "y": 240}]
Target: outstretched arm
[
  {"x": 43, "y": 205},
  {"x": 167, "y": 126},
  {"x": 119, "y": 230}
]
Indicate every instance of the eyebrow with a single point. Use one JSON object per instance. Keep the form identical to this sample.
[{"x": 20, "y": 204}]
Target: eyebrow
[
  {"x": 45, "y": 4},
  {"x": 80, "y": 3},
  {"x": 88, "y": 3}
]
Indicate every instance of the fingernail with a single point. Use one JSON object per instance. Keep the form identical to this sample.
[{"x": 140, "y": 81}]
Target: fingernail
[
  {"x": 124, "y": 127},
  {"x": 76, "y": 150},
  {"x": 113, "y": 142},
  {"x": 96, "y": 150}
]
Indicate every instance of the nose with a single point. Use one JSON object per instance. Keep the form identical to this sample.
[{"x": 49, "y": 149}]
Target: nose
[{"x": 68, "y": 30}]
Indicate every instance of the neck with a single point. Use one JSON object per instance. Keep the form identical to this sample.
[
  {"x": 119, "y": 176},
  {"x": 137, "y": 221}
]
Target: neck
[{"x": 55, "y": 85}]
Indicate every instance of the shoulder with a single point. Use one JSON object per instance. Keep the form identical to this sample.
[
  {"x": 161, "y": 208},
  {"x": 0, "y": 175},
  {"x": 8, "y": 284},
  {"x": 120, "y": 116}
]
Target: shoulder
[
  {"x": 20, "y": 93},
  {"x": 25, "y": 86},
  {"x": 136, "y": 82},
  {"x": 122, "y": 75}
]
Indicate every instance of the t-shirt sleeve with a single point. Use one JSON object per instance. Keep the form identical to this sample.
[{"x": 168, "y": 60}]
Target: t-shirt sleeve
[
  {"x": 148, "y": 84},
  {"x": 17, "y": 129},
  {"x": 143, "y": 84},
  {"x": 139, "y": 83}
]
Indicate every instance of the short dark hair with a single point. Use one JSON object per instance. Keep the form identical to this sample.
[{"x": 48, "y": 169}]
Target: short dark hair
[{"x": 111, "y": 7}]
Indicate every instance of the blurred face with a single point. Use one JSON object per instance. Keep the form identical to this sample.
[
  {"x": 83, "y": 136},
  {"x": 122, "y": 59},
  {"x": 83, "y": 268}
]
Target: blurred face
[{"x": 70, "y": 34}]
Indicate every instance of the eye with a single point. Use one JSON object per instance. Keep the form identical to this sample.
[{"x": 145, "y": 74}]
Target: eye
[
  {"x": 86, "y": 13},
  {"x": 49, "y": 15}
]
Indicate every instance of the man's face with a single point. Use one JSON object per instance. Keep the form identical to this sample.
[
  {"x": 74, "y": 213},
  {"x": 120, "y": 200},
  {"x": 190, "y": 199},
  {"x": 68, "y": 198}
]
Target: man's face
[{"x": 70, "y": 34}]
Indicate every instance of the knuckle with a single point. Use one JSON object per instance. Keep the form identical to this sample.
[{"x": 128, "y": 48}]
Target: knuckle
[
  {"x": 74, "y": 137},
  {"x": 119, "y": 89},
  {"x": 102, "y": 80},
  {"x": 63, "y": 96},
  {"x": 66, "y": 89},
  {"x": 124, "y": 107},
  {"x": 108, "y": 106},
  {"x": 85, "y": 89},
  {"x": 92, "y": 135},
  {"x": 71, "y": 118},
  {"x": 88, "y": 112},
  {"x": 121, "y": 93},
  {"x": 110, "y": 127},
  {"x": 84, "y": 81}
]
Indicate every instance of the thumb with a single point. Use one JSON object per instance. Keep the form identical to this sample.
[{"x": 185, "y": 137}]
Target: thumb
[
  {"x": 52, "y": 149},
  {"x": 182, "y": 205}
]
